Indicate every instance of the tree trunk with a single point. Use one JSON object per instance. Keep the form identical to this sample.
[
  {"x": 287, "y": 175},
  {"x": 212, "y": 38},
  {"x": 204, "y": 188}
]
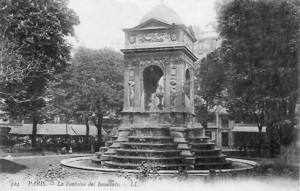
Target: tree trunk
[
  {"x": 204, "y": 124},
  {"x": 99, "y": 127},
  {"x": 272, "y": 143},
  {"x": 86, "y": 119},
  {"x": 260, "y": 140},
  {"x": 98, "y": 124},
  {"x": 271, "y": 140},
  {"x": 34, "y": 129},
  {"x": 204, "y": 116}
]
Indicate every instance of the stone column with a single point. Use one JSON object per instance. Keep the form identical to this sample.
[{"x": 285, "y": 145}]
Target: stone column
[
  {"x": 192, "y": 88},
  {"x": 167, "y": 88},
  {"x": 141, "y": 91},
  {"x": 179, "y": 88},
  {"x": 126, "y": 89},
  {"x": 137, "y": 89}
]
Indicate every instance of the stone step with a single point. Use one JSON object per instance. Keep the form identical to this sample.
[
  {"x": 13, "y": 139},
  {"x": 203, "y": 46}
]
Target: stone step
[
  {"x": 110, "y": 152},
  {"x": 206, "y": 153},
  {"x": 180, "y": 140},
  {"x": 148, "y": 153},
  {"x": 186, "y": 153},
  {"x": 202, "y": 146},
  {"x": 145, "y": 158},
  {"x": 108, "y": 143},
  {"x": 103, "y": 149},
  {"x": 98, "y": 154},
  {"x": 150, "y": 139},
  {"x": 149, "y": 146},
  {"x": 96, "y": 160},
  {"x": 152, "y": 160},
  {"x": 135, "y": 166},
  {"x": 105, "y": 157},
  {"x": 183, "y": 146},
  {"x": 199, "y": 140},
  {"x": 115, "y": 145}
]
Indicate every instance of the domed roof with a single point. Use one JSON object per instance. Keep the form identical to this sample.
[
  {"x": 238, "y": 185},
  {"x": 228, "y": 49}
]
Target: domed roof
[{"x": 162, "y": 13}]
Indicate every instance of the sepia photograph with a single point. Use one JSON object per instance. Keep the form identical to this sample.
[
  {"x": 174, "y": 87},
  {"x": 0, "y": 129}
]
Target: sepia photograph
[{"x": 150, "y": 95}]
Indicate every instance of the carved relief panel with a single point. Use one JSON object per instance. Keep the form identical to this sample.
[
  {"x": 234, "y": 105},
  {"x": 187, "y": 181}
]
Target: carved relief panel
[
  {"x": 155, "y": 37},
  {"x": 188, "y": 42}
]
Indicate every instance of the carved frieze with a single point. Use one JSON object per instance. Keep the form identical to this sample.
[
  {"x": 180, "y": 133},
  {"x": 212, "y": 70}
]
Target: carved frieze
[
  {"x": 179, "y": 61},
  {"x": 173, "y": 36},
  {"x": 132, "y": 39},
  {"x": 152, "y": 37},
  {"x": 188, "y": 42}
]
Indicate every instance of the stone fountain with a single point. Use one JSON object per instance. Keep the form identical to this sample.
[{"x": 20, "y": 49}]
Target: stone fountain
[{"x": 158, "y": 120}]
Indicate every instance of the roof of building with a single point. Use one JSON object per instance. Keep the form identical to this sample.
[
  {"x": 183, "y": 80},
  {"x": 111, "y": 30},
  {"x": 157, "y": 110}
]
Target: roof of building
[
  {"x": 55, "y": 129},
  {"x": 247, "y": 128},
  {"x": 218, "y": 109},
  {"x": 164, "y": 14}
]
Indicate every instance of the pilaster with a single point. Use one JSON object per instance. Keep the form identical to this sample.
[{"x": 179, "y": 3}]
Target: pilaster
[
  {"x": 126, "y": 88},
  {"x": 137, "y": 97}
]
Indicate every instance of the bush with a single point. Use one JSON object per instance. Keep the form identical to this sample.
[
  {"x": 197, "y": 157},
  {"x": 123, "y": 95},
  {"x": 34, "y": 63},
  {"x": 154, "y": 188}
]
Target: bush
[{"x": 276, "y": 169}]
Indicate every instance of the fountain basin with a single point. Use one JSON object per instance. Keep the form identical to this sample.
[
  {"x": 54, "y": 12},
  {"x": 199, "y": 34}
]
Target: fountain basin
[{"x": 84, "y": 163}]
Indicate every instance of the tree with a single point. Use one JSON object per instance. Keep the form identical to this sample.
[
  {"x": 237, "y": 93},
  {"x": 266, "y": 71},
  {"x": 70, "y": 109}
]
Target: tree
[
  {"x": 95, "y": 85},
  {"x": 259, "y": 43},
  {"x": 209, "y": 85},
  {"x": 35, "y": 31}
]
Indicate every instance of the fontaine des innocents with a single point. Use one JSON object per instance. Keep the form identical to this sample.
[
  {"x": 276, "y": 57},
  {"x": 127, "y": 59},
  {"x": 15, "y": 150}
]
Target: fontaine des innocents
[{"x": 158, "y": 120}]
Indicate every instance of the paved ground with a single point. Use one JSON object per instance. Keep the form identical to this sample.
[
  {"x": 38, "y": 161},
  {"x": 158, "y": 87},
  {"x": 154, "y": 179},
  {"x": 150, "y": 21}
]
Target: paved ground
[
  {"x": 21, "y": 169},
  {"x": 26, "y": 164}
]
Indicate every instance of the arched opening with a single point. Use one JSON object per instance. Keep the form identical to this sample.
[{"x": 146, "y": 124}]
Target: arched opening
[{"x": 153, "y": 87}]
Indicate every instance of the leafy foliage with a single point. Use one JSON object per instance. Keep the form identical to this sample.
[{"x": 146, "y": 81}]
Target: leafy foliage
[
  {"x": 34, "y": 44},
  {"x": 93, "y": 86},
  {"x": 260, "y": 40},
  {"x": 99, "y": 77},
  {"x": 34, "y": 35},
  {"x": 145, "y": 172},
  {"x": 276, "y": 169},
  {"x": 209, "y": 85}
]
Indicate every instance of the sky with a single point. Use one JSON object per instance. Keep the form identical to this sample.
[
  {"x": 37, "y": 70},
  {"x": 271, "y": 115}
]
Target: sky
[{"x": 102, "y": 21}]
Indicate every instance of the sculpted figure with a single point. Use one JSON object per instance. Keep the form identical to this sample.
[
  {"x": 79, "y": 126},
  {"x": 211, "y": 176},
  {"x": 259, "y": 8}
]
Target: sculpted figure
[
  {"x": 173, "y": 36},
  {"x": 131, "y": 93},
  {"x": 132, "y": 39},
  {"x": 146, "y": 38},
  {"x": 173, "y": 94}
]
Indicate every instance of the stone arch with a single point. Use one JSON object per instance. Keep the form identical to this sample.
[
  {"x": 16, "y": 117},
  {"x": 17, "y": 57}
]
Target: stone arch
[
  {"x": 146, "y": 63},
  {"x": 153, "y": 87}
]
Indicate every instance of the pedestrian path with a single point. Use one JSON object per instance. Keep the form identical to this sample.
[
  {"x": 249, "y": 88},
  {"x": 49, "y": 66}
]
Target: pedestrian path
[{"x": 10, "y": 157}]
